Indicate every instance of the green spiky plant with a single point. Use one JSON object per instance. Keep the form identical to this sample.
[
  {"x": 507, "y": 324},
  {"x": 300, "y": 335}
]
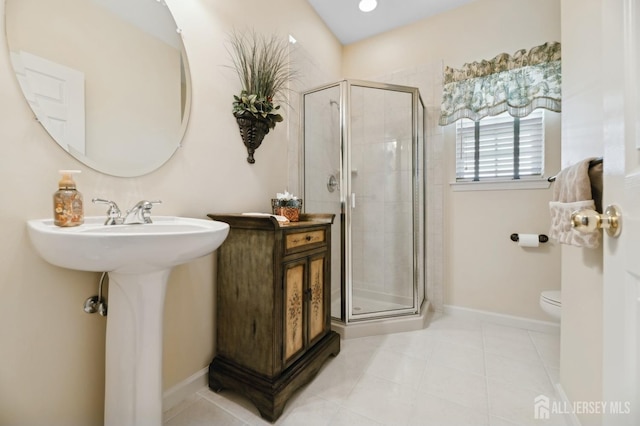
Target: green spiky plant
[{"x": 262, "y": 64}]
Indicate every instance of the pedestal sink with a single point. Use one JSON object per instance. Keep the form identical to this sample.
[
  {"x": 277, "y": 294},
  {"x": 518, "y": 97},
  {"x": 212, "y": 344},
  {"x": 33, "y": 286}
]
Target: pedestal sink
[{"x": 138, "y": 259}]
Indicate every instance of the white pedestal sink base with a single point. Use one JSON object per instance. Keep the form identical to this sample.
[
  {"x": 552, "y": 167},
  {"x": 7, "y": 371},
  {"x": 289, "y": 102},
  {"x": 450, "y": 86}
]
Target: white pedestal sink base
[
  {"x": 133, "y": 370},
  {"x": 138, "y": 259}
]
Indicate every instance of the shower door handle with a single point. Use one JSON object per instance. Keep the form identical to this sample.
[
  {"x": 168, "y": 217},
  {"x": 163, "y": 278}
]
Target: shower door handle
[
  {"x": 332, "y": 183},
  {"x": 353, "y": 200}
]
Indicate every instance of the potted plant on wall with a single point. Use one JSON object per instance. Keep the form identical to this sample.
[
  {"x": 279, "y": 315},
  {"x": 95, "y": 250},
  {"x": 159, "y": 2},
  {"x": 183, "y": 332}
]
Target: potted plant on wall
[{"x": 262, "y": 64}]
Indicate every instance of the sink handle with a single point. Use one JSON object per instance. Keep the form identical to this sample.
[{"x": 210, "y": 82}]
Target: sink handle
[
  {"x": 146, "y": 210},
  {"x": 113, "y": 213}
]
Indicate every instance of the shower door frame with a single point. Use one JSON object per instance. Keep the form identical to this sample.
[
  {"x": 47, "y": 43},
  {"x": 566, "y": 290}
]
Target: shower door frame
[{"x": 347, "y": 197}]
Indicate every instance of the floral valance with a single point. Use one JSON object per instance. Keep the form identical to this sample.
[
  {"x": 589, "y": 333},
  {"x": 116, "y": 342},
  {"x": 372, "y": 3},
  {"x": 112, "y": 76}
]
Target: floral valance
[{"x": 517, "y": 83}]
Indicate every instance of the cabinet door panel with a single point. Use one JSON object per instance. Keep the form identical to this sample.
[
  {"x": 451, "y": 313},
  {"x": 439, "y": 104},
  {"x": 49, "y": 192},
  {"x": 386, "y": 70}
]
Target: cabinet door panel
[
  {"x": 294, "y": 319},
  {"x": 316, "y": 304}
]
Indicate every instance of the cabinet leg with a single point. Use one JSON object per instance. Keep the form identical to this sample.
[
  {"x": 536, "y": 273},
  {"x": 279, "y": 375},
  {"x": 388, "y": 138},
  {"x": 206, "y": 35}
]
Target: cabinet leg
[
  {"x": 214, "y": 384},
  {"x": 272, "y": 414}
]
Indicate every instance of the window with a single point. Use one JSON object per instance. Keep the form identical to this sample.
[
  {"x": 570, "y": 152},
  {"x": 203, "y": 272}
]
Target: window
[{"x": 500, "y": 147}]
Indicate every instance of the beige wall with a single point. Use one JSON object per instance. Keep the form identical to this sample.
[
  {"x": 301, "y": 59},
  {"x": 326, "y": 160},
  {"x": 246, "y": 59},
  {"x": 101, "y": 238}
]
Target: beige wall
[
  {"x": 483, "y": 268},
  {"x": 51, "y": 352},
  {"x": 582, "y": 124},
  {"x": 479, "y": 30}
]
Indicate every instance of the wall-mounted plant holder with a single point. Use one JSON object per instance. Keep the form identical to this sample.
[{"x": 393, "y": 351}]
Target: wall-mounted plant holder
[
  {"x": 253, "y": 131},
  {"x": 262, "y": 64}
]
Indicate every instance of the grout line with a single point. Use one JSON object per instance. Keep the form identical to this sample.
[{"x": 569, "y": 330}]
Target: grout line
[
  {"x": 544, "y": 365},
  {"x": 180, "y": 408},
  {"x": 486, "y": 373}
]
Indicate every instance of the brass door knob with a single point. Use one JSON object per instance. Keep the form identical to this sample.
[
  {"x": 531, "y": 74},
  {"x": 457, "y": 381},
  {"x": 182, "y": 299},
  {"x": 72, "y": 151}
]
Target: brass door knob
[{"x": 588, "y": 221}]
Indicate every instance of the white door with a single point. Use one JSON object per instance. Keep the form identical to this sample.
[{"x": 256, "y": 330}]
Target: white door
[
  {"x": 621, "y": 283},
  {"x": 56, "y": 96}
]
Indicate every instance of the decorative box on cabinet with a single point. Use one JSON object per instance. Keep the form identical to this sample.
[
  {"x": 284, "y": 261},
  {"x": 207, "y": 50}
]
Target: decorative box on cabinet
[{"x": 273, "y": 310}]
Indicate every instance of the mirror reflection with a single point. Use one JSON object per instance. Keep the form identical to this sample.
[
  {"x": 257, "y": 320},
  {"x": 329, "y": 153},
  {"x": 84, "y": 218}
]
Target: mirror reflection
[{"x": 107, "y": 79}]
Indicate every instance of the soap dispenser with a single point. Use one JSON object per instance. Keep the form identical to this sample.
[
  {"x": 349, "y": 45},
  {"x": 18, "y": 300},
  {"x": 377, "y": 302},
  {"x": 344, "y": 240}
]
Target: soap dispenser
[{"x": 67, "y": 201}]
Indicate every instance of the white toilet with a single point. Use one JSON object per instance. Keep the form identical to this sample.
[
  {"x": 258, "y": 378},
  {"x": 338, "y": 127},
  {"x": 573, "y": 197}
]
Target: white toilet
[{"x": 551, "y": 303}]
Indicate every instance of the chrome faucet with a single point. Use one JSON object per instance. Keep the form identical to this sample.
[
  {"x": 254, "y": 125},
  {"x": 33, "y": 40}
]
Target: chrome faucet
[
  {"x": 140, "y": 213},
  {"x": 114, "y": 216}
]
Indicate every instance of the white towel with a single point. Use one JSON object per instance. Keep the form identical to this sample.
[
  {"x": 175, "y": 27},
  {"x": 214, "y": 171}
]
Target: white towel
[
  {"x": 572, "y": 191},
  {"x": 277, "y": 217},
  {"x": 561, "y": 229}
]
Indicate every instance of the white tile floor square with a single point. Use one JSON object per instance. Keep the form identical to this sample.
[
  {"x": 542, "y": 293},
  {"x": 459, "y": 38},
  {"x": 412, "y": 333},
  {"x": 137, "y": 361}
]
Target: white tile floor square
[{"x": 454, "y": 372}]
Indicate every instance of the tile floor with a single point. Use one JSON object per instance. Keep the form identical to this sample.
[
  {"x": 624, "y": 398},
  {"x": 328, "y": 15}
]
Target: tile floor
[{"x": 454, "y": 372}]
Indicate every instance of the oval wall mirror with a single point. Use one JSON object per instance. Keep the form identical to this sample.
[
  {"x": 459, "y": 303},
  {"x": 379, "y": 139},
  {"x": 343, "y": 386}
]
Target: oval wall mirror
[{"x": 108, "y": 79}]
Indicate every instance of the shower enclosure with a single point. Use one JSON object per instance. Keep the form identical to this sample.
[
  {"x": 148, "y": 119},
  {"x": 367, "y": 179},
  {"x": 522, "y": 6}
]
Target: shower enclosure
[{"x": 362, "y": 158}]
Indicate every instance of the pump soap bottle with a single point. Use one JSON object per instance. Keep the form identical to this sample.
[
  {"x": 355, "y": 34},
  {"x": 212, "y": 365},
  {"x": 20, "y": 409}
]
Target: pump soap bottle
[{"x": 67, "y": 201}]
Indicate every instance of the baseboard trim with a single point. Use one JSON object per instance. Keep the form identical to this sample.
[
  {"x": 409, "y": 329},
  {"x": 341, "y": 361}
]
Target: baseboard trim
[
  {"x": 502, "y": 319},
  {"x": 178, "y": 393}
]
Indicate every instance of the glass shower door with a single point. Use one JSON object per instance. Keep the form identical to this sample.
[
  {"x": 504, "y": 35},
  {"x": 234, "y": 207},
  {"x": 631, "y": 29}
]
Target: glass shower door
[{"x": 380, "y": 212}]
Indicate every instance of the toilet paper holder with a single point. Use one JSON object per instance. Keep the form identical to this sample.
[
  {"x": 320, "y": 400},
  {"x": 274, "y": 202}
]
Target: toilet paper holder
[{"x": 541, "y": 237}]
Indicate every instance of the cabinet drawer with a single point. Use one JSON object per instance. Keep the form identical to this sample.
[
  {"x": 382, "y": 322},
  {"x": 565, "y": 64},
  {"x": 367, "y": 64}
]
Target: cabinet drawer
[{"x": 300, "y": 240}]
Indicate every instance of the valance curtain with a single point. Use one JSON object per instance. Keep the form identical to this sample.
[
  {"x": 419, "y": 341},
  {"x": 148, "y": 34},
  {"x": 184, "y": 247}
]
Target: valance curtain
[{"x": 516, "y": 83}]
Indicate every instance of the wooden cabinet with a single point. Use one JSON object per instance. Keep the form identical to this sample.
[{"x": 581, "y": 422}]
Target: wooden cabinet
[{"x": 273, "y": 308}]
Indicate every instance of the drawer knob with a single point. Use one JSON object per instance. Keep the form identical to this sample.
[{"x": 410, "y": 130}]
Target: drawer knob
[{"x": 308, "y": 237}]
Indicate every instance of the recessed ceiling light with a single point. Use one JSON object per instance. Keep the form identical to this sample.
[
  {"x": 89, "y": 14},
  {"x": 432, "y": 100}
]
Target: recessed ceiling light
[{"x": 367, "y": 5}]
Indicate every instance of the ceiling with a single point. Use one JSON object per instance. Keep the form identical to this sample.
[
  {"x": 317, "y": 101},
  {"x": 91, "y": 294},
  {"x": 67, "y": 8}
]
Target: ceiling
[{"x": 349, "y": 24}]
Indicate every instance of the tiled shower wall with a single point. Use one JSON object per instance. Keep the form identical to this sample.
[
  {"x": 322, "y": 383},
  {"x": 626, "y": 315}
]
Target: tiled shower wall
[{"x": 428, "y": 79}]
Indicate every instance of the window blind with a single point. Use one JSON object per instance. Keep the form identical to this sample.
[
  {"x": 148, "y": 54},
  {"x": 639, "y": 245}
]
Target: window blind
[{"x": 502, "y": 149}]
